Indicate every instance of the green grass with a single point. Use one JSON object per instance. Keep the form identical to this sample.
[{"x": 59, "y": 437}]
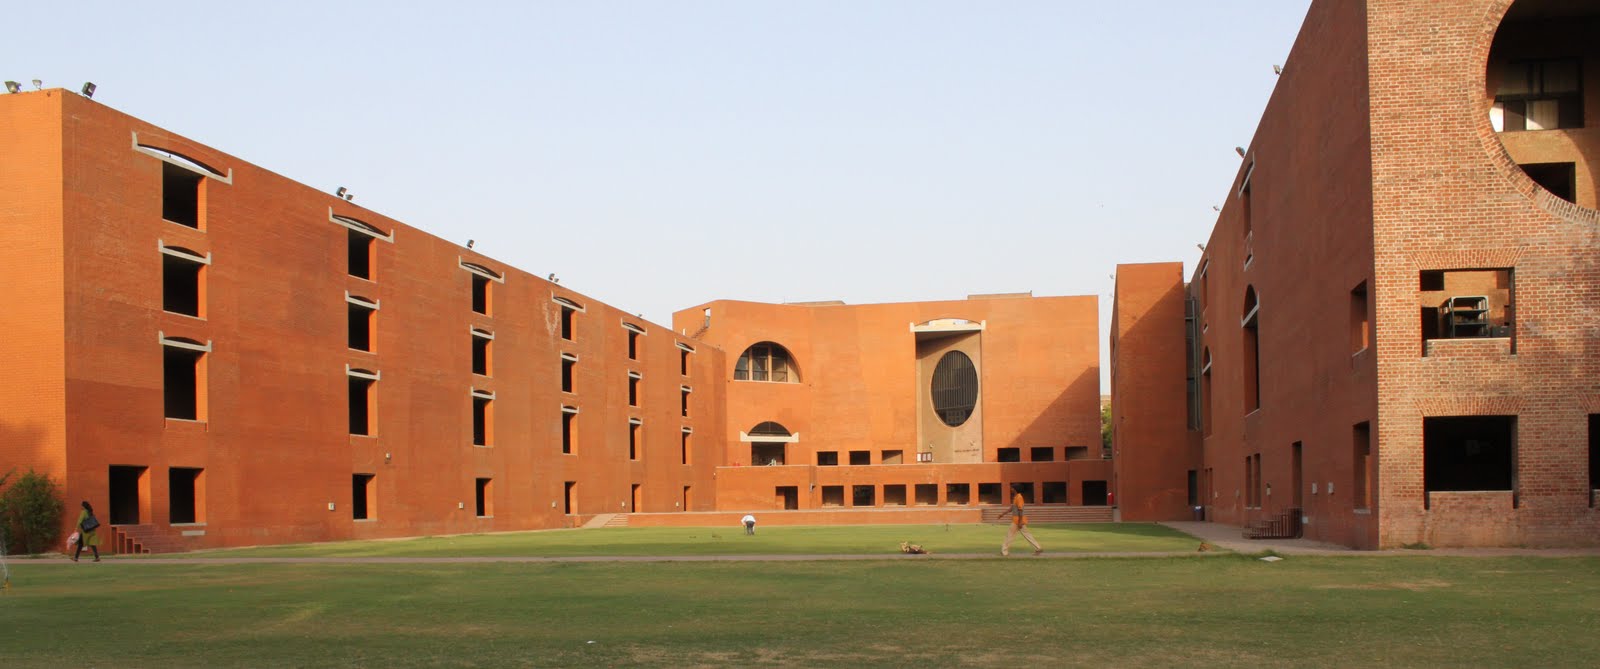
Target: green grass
[
  {"x": 852, "y": 540},
  {"x": 1211, "y": 610}
]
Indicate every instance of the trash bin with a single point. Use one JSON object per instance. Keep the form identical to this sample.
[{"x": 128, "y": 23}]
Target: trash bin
[{"x": 1199, "y": 513}]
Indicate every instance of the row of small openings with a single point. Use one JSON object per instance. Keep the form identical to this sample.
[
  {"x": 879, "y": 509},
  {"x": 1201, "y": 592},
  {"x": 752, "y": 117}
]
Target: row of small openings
[
  {"x": 960, "y": 494},
  {"x": 130, "y": 484}
]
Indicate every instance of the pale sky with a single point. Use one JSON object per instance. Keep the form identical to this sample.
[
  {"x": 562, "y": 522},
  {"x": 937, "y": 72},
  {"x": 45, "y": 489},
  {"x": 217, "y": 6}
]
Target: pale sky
[{"x": 656, "y": 155}]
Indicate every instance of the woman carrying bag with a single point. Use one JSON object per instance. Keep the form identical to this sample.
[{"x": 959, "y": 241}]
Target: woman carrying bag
[{"x": 87, "y": 524}]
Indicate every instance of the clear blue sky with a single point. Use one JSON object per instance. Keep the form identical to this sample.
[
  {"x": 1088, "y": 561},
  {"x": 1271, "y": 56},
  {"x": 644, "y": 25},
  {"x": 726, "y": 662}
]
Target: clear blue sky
[{"x": 656, "y": 155}]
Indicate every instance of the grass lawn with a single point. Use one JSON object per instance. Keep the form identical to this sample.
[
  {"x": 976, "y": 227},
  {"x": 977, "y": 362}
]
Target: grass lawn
[
  {"x": 1213, "y": 610},
  {"x": 852, "y": 540}
]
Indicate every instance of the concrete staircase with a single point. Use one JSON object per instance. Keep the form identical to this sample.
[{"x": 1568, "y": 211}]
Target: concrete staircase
[
  {"x": 143, "y": 540},
  {"x": 617, "y": 520},
  {"x": 1052, "y": 513}
]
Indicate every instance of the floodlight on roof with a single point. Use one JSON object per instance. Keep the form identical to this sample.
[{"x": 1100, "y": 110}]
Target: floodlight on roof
[
  {"x": 38, "y": 84},
  {"x": 12, "y": 87},
  {"x": 88, "y": 89},
  {"x": 340, "y": 192}
]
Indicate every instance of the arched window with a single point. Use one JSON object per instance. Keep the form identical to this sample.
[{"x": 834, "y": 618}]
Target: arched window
[
  {"x": 766, "y": 361},
  {"x": 769, "y": 429},
  {"x": 955, "y": 388}
]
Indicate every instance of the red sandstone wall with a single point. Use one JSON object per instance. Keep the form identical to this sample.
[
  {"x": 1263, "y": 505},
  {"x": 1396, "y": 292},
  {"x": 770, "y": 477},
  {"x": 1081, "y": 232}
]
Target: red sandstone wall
[
  {"x": 274, "y": 444},
  {"x": 1149, "y": 403},
  {"x": 1309, "y": 245},
  {"x": 1447, "y": 196}
]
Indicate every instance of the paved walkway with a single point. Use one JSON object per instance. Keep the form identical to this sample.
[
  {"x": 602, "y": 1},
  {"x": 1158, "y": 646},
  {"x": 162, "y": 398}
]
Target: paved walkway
[{"x": 1228, "y": 537}]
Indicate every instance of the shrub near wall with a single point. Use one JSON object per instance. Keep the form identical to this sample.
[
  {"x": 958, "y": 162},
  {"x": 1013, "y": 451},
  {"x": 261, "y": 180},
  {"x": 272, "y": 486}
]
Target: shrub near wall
[{"x": 30, "y": 512}]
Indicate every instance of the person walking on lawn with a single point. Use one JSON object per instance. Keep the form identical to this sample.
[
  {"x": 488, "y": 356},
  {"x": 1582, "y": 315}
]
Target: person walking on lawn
[
  {"x": 87, "y": 536},
  {"x": 1019, "y": 523}
]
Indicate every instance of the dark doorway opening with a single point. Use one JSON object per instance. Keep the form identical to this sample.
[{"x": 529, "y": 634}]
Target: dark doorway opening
[
  {"x": 957, "y": 493},
  {"x": 128, "y": 488},
  {"x": 989, "y": 493},
  {"x": 182, "y": 500},
  {"x": 766, "y": 453},
  {"x": 788, "y": 497},
  {"x": 1054, "y": 492},
  {"x": 1094, "y": 493},
  {"x": 567, "y": 509},
  {"x": 863, "y": 495},
  {"x": 894, "y": 495},
  {"x": 484, "y": 500},
  {"x": 833, "y": 495},
  {"x": 180, "y": 195},
  {"x": 927, "y": 494},
  {"x": 360, "y": 496}
]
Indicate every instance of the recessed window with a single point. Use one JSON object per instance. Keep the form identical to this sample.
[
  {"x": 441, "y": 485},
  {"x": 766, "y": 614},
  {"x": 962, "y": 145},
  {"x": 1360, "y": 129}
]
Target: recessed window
[
  {"x": 482, "y": 342},
  {"x": 1008, "y": 455},
  {"x": 633, "y": 389},
  {"x": 766, "y": 361},
  {"x": 891, "y": 457},
  {"x": 180, "y": 195},
  {"x": 569, "y": 370},
  {"x": 927, "y": 494},
  {"x": 185, "y": 495},
  {"x": 569, "y": 318},
  {"x": 482, "y": 418},
  {"x": 1361, "y": 465},
  {"x": 1055, "y": 492},
  {"x": 683, "y": 359},
  {"x": 482, "y": 280},
  {"x": 833, "y": 495},
  {"x": 894, "y": 495},
  {"x": 1469, "y": 453},
  {"x": 484, "y": 497},
  {"x": 827, "y": 458},
  {"x": 359, "y": 254},
  {"x": 569, "y": 429},
  {"x": 957, "y": 493},
  {"x": 362, "y": 496},
  {"x": 863, "y": 495},
  {"x": 684, "y": 446},
  {"x": 634, "y": 332},
  {"x": 361, "y": 316},
  {"x": 571, "y": 497},
  {"x": 1042, "y": 454},
  {"x": 1467, "y": 304},
  {"x": 183, "y": 376},
  {"x": 989, "y": 493},
  {"x": 1360, "y": 322},
  {"x": 1561, "y": 179},
  {"x": 860, "y": 458},
  {"x": 1544, "y": 94},
  {"x": 683, "y": 393},
  {"x": 183, "y": 281},
  {"x": 362, "y": 400},
  {"x": 1252, "y": 350},
  {"x": 633, "y": 439},
  {"x": 954, "y": 388}
]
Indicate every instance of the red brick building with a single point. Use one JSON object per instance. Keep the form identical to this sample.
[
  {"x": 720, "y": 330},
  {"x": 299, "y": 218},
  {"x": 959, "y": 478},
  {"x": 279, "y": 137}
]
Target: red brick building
[
  {"x": 1394, "y": 330},
  {"x": 214, "y": 355},
  {"x": 924, "y": 404}
]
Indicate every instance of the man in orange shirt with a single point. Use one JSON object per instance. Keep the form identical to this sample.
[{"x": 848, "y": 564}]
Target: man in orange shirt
[{"x": 1019, "y": 523}]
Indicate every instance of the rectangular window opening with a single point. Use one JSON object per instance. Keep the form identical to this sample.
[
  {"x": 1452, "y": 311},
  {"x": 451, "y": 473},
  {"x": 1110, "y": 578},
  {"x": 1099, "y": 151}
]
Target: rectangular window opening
[
  {"x": 360, "y": 319},
  {"x": 480, "y": 294},
  {"x": 685, "y": 402},
  {"x": 185, "y": 496},
  {"x": 180, "y": 195},
  {"x": 1561, "y": 179},
  {"x": 1095, "y": 493},
  {"x": 568, "y": 373},
  {"x": 786, "y": 497},
  {"x": 683, "y": 362},
  {"x": 925, "y": 494},
  {"x": 182, "y": 289},
  {"x": 569, "y": 426},
  {"x": 892, "y": 457},
  {"x": 767, "y": 453},
  {"x": 361, "y": 401},
  {"x": 633, "y": 441},
  {"x": 568, "y": 314},
  {"x": 958, "y": 493},
  {"x": 1467, "y": 304},
  {"x": 1026, "y": 490},
  {"x": 1361, "y": 465},
  {"x": 1008, "y": 455},
  {"x": 833, "y": 495},
  {"x": 183, "y": 382},
  {"x": 484, "y": 498},
  {"x": 827, "y": 458},
  {"x": 570, "y": 501},
  {"x": 860, "y": 457},
  {"x": 1360, "y": 322},
  {"x": 894, "y": 494},
  {"x": 361, "y": 496},
  {"x": 1042, "y": 454},
  {"x": 482, "y": 421},
  {"x": 480, "y": 354},
  {"x": 989, "y": 493},
  {"x": 359, "y": 254},
  {"x": 1054, "y": 492},
  {"x": 633, "y": 391},
  {"x": 1469, "y": 453},
  {"x": 1543, "y": 94},
  {"x": 863, "y": 495},
  {"x": 633, "y": 345}
]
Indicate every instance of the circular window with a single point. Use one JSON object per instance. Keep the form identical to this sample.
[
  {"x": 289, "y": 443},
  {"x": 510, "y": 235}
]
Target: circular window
[{"x": 955, "y": 388}]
